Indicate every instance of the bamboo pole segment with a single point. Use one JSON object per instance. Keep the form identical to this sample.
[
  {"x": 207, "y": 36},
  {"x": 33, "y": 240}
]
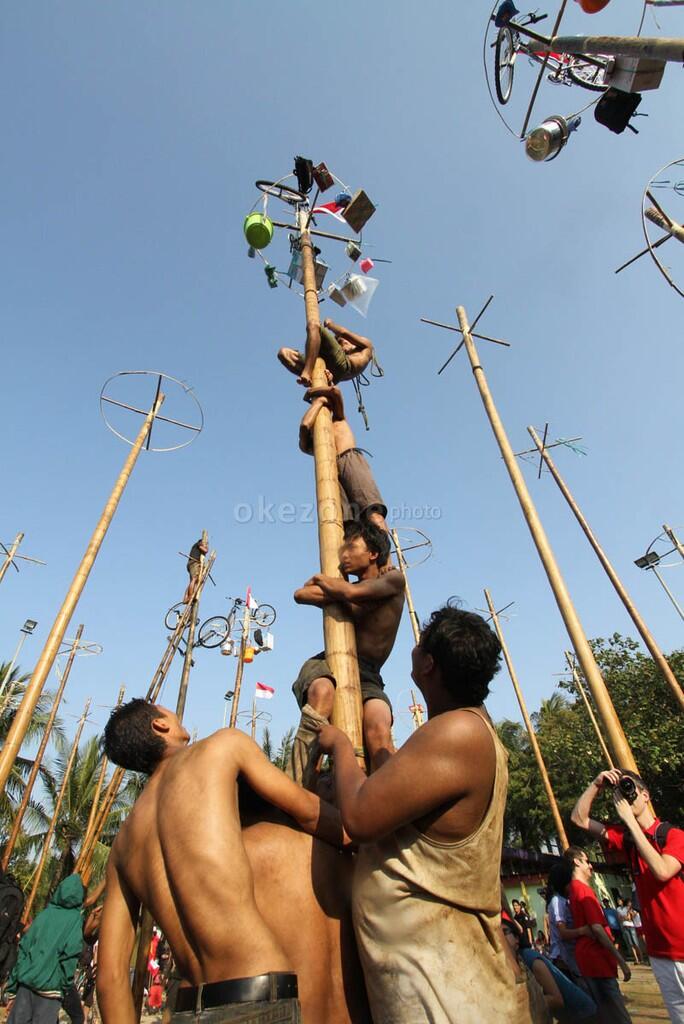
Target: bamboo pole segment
[
  {"x": 22, "y": 719},
  {"x": 674, "y": 539},
  {"x": 246, "y": 619},
  {"x": 617, "y": 46},
  {"x": 254, "y": 717},
  {"x": 38, "y": 759},
  {"x": 10, "y": 555},
  {"x": 590, "y": 711},
  {"x": 58, "y": 805},
  {"x": 534, "y": 742},
  {"x": 416, "y": 711},
  {"x": 338, "y": 629},
  {"x": 616, "y": 737},
  {"x": 646, "y": 635},
  {"x": 673, "y": 229},
  {"x": 94, "y": 807},
  {"x": 192, "y": 626},
  {"x": 413, "y": 617}
]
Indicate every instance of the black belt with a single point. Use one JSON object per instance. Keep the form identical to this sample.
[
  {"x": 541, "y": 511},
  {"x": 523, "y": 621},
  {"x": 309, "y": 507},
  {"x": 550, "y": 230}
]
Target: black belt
[{"x": 263, "y": 988}]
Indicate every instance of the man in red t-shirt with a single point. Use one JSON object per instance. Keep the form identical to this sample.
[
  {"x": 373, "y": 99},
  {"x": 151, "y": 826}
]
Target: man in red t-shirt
[
  {"x": 596, "y": 956},
  {"x": 655, "y": 854}
]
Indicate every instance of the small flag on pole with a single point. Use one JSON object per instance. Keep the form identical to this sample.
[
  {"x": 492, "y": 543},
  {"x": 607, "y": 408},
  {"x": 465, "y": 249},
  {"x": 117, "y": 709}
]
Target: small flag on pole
[
  {"x": 262, "y": 690},
  {"x": 252, "y": 603}
]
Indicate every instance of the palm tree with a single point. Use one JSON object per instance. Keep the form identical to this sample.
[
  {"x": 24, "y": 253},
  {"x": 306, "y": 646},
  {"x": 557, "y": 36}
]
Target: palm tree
[
  {"x": 281, "y": 759},
  {"x": 10, "y": 798}
]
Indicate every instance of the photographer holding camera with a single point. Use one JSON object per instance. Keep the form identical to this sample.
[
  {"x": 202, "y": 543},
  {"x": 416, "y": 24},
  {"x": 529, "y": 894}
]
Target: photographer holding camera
[{"x": 654, "y": 851}]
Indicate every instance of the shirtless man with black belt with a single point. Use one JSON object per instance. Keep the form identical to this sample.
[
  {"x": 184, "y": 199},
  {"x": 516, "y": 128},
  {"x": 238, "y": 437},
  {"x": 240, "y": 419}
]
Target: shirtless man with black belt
[
  {"x": 345, "y": 354},
  {"x": 240, "y": 909}
]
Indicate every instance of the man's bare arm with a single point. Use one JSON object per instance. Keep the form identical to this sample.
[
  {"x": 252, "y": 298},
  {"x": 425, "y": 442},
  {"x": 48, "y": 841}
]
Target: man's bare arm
[
  {"x": 312, "y": 814},
  {"x": 117, "y": 938},
  {"x": 598, "y": 932},
  {"x": 580, "y": 812},
  {"x": 663, "y": 865},
  {"x": 378, "y": 589},
  {"x": 402, "y": 791},
  {"x": 311, "y": 593}
]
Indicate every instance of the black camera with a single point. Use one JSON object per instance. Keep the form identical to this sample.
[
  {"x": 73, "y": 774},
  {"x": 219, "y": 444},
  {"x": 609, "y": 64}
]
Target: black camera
[{"x": 627, "y": 787}]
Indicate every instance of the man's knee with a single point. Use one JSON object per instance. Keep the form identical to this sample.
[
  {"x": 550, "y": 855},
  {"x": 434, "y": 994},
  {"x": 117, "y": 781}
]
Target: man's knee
[
  {"x": 321, "y": 696},
  {"x": 377, "y": 725}
]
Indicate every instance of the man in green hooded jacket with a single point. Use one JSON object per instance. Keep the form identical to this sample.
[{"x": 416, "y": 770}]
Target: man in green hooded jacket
[{"x": 48, "y": 956}]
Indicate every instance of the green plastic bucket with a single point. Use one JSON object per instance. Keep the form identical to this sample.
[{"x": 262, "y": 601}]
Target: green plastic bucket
[{"x": 258, "y": 230}]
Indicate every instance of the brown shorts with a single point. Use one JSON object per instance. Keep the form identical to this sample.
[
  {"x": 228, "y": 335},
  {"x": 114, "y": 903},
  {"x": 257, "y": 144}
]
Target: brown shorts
[
  {"x": 358, "y": 490},
  {"x": 372, "y": 686},
  {"x": 333, "y": 355},
  {"x": 193, "y": 568}
]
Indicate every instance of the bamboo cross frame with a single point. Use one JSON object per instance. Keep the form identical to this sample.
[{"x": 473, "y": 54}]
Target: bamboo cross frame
[
  {"x": 590, "y": 711},
  {"x": 616, "y": 737},
  {"x": 9, "y": 557},
  {"x": 38, "y": 758},
  {"x": 36, "y": 684},
  {"x": 646, "y": 635},
  {"x": 534, "y": 742},
  {"x": 58, "y": 805},
  {"x": 338, "y": 629}
]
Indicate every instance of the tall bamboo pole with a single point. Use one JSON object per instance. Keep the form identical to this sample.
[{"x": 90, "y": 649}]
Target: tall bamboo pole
[
  {"x": 616, "y": 737},
  {"x": 94, "y": 807},
  {"x": 617, "y": 46},
  {"x": 646, "y": 635},
  {"x": 590, "y": 711},
  {"x": 22, "y": 719},
  {"x": 187, "y": 661},
  {"x": 141, "y": 957},
  {"x": 246, "y": 620},
  {"x": 10, "y": 555},
  {"x": 58, "y": 805},
  {"x": 416, "y": 711},
  {"x": 534, "y": 743},
  {"x": 338, "y": 629},
  {"x": 413, "y": 617},
  {"x": 254, "y": 717},
  {"x": 38, "y": 759}
]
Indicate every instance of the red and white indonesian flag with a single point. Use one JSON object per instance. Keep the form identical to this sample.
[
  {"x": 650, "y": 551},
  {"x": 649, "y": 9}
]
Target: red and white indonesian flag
[
  {"x": 332, "y": 208},
  {"x": 252, "y": 602},
  {"x": 262, "y": 690}
]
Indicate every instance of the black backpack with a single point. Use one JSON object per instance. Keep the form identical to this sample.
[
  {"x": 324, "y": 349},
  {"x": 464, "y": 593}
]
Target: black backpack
[{"x": 615, "y": 108}]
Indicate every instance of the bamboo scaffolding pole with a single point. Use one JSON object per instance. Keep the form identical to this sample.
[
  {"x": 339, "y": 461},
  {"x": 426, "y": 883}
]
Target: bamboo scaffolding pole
[
  {"x": 413, "y": 617},
  {"x": 338, "y": 629},
  {"x": 674, "y": 539},
  {"x": 590, "y": 711},
  {"x": 416, "y": 711},
  {"x": 616, "y": 46},
  {"x": 646, "y": 635},
  {"x": 239, "y": 671},
  {"x": 22, "y": 719},
  {"x": 192, "y": 626},
  {"x": 618, "y": 741},
  {"x": 534, "y": 742},
  {"x": 38, "y": 759},
  {"x": 10, "y": 555},
  {"x": 254, "y": 717},
  {"x": 674, "y": 230},
  {"x": 58, "y": 805},
  {"x": 94, "y": 807},
  {"x": 154, "y": 688}
]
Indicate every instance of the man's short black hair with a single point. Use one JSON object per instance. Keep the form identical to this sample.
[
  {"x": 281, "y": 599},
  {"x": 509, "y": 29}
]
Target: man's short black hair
[
  {"x": 375, "y": 538},
  {"x": 128, "y": 737},
  {"x": 560, "y": 877},
  {"x": 466, "y": 651}
]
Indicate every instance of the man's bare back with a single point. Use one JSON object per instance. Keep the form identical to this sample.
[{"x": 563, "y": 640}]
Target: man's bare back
[{"x": 220, "y": 895}]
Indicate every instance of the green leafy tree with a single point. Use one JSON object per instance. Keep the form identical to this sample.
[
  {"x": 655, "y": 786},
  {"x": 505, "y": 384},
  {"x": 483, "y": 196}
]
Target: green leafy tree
[
  {"x": 650, "y": 718},
  {"x": 281, "y": 758}
]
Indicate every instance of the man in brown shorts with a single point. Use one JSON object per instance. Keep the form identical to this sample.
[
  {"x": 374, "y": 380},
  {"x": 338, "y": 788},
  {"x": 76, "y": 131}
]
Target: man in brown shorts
[
  {"x": 359, "y": 493},
  {"x": 344, "y": 353},
  {"x": 242, "y": 908},
  {"x": 375, "y": 603},
  {"x": 193, "y": 566}
]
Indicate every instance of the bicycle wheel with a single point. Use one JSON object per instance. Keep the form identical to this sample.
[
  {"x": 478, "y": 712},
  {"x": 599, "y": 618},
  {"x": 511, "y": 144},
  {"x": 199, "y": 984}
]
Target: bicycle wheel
[
  {"x": 213, "y": 632},
  {"x": 265, "y": 615},
  {"x": 587, "y": 76},
  {"x": 173, "y": 615},
  {"x": 284, "y": 192},
  {"x": 504, "y": 58}
]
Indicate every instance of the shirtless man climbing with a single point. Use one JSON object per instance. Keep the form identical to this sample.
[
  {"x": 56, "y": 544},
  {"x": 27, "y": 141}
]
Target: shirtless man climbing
[
  {"x": 239, "y": 911},
  {"x": 344, "y": 353},
  {"x": 359, "y": 492},
  {"x": 375, "y": 604}
]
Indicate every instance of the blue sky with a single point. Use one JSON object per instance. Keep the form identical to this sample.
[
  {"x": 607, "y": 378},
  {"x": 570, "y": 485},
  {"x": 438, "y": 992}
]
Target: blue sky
[{"x": 132, "y": 136}]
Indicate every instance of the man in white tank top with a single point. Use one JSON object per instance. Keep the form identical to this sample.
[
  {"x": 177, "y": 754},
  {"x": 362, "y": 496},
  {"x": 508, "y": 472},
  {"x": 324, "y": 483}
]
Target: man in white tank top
[{"x": 430, "y": 823}]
